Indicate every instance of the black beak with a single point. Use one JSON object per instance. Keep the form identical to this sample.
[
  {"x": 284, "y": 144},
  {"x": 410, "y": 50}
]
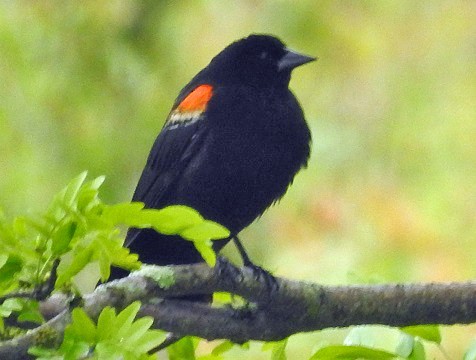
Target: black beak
[{"x": 293, "y": 59}]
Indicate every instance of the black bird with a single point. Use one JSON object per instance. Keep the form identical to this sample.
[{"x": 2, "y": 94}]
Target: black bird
[{"x": 234, "y": 140}]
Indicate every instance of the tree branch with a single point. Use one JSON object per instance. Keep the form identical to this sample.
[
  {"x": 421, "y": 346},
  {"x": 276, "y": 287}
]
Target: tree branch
[
  {"x": 302, "y": 306},
  {"x": 291, "y": 308}
]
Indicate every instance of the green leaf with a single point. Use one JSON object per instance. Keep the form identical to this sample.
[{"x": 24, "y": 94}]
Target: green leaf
[
  {"x": 106, "y": 323},
  {"x": 351, "y": 352},
  {"x": 69, "y": 193},
  {"x": 405, "y": 345},
  {"x": 139, "y": 328},
  {"x": 62, "y": 237},
  {"x": 73, "y": 350},
  {"x": 123, "y": 213},
  {"x": 13, "y": 304},
  {"x": 30, "y": 311},
  {"x": 113, "y": 337},
  {"x": 426, "y": 332},
  {"x": 10, "y": 268},
  {"x": 108, "y": 350},
  {"x": 470, "y": 354},
  {"x": 122, "y": 257},
  {"x": 125, "y": 318},
  {"x": 107, "y": 250},
  {"x": 31, "y": 316},
  {"x": 3, "y": 260},
  {"x": 81, "y": 257},
  {"x": 418, "y": 352},
  {"x": 169, "y": 220},
  {"x": 207, "y": 230},
  {"x": 361, "y": 335},
  {"x": 278, "y": 349},
  {"x": 42, "y": 225},
  {"x": 149, "y": 340},
  {"x": 222, "y": 348},
  {"x": 103, "y": 247},
  {"x": 223, "y": 297},
  {"x": 82, "y": 327},
  {"x": 26, "y": 310},
  {"x": 88, "y": 196},
  {"x": 20, "y": 227},
  {"x": 184, "y": 349},
  {"x": 206, "y": 251},
  {"x": 172, "y": 219},
  {"x": 86, "y": 280},
  {"x": 9, "y": 306}
]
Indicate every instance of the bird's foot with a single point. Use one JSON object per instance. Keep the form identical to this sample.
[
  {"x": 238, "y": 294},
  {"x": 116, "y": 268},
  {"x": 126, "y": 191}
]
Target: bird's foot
[
  {"x": 225, "y": 269},
  {"x": 264, "y": 276}
]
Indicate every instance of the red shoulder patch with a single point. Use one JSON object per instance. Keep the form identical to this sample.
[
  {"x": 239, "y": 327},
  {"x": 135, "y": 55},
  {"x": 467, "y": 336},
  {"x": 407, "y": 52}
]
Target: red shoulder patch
[{"x": 197, "y": 100}]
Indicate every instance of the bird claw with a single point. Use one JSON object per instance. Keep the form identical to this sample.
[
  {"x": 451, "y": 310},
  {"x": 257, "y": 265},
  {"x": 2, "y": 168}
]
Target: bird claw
[
  {"x": 264, "y": 276},
  {"x": 225, "y": 269}
]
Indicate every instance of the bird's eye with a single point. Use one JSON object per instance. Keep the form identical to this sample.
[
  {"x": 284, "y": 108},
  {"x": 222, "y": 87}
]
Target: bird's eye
[{"x": 263, "y": 55}]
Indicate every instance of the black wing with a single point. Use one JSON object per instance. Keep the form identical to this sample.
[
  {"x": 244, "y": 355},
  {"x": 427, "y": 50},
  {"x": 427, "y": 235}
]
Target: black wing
[{"x": 173, "y": 149}]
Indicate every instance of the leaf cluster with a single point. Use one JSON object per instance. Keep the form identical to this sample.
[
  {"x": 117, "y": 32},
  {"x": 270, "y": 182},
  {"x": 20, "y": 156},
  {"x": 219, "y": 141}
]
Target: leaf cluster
[
  {"x": 114, "y": 336},
  {"x": 80, "y": 230},
  {"x": 73, "y": 246}
]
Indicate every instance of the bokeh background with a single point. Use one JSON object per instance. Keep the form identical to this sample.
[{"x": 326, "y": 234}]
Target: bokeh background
[{"x": 390, "y": 193}]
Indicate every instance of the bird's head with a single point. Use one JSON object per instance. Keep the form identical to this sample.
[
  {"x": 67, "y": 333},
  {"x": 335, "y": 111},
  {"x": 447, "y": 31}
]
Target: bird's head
[{"x": 257, "y": 60}]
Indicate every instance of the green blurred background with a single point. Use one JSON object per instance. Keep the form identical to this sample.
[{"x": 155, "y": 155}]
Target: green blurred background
[{"x": 390, "y": 193}]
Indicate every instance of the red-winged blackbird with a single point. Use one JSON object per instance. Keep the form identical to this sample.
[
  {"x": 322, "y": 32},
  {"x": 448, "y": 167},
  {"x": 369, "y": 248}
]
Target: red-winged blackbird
[{"x": 231, "y": 145}]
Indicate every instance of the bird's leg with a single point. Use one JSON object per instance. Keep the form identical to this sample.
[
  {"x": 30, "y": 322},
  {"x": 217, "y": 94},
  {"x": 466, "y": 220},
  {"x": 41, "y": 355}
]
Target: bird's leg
[
  {"x": 259, "y": 272},
  {"x": 241, "y": 249}
]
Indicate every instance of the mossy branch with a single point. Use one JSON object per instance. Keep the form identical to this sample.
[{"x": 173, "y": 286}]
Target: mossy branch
[{"x": 290, "y": 308}]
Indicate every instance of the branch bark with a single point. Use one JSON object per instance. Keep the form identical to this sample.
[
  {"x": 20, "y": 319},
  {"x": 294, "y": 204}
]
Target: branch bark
[{"x": 291, "y": 308}]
